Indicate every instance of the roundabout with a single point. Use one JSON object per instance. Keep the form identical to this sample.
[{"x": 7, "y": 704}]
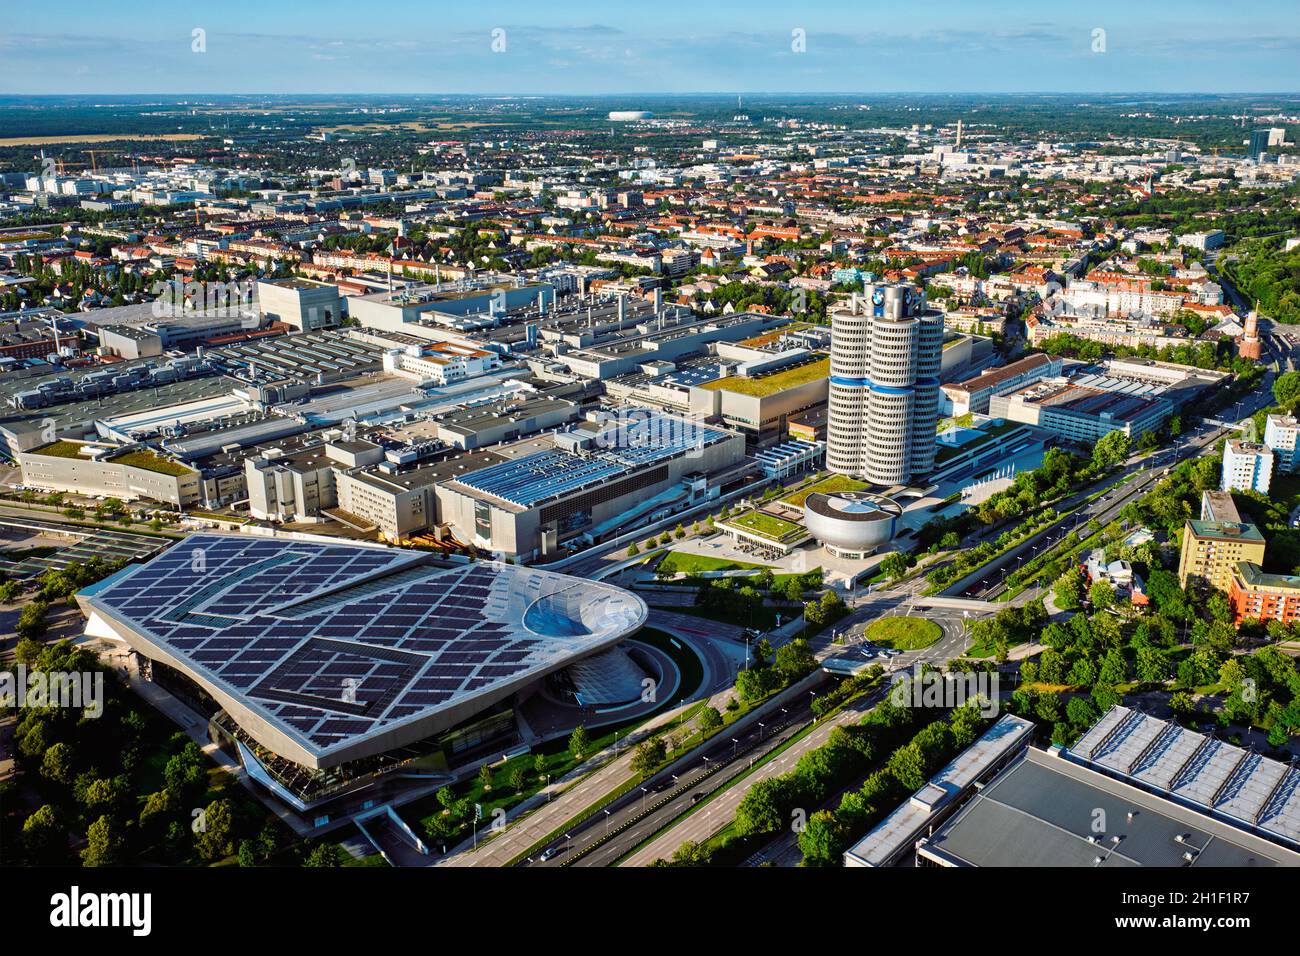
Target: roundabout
[{"x": 903, "y": 633}]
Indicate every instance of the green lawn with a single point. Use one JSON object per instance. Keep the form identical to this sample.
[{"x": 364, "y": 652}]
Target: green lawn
[
  {"x": 903, "y": 633},
  {"x": 684, "y": 563},
  {"x": 827, "y": 486}
]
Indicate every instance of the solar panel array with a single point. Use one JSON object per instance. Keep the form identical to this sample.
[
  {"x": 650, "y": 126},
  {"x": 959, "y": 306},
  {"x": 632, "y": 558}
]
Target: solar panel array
[
  {"x": 638, "y": 441},
  {"x": 334, "y": 641},
  {"x": 1254, "y": 791}
]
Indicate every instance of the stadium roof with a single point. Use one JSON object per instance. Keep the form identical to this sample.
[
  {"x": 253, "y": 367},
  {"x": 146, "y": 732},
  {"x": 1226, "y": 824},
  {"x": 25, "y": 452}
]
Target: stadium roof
[{"x": 328, "y": 652}]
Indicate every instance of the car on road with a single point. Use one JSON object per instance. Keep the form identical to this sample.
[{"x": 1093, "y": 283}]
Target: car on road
[
  {"x": 697, "y": 796},
  {"x": 548, "y": 854}
]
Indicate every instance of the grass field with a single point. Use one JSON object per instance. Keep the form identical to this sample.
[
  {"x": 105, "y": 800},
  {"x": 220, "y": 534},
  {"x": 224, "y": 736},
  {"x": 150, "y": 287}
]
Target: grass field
[
  {"x": 903, "y": 633},
  {"x": 683, "y": 563}
]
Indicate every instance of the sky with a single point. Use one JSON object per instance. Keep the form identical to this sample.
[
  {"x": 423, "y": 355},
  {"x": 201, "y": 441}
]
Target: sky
[{"x": 668, "y": 46}]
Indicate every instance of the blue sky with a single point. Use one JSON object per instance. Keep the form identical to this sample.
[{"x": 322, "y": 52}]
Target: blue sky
[{"x": 328, "y": 46}]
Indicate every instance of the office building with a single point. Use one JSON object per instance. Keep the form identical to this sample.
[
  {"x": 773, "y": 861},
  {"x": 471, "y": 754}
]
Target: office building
[
  {"x": 1246, "y": 467},
  {"x": 588, "y": 482},
  {"x": 886, "y": 353},
  {"x": 1134, "y": 791},
  {"x": 1259, "y": 143},
  {"x": 1082, "y": 414},
  {"x": 128, "y": 473},
  {"x": 973, "y": 394},
  {"x": 307, "y": 306}
]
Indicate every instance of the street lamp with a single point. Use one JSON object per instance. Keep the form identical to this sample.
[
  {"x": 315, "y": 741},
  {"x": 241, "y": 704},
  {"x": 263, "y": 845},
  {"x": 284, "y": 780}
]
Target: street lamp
[{"x": 761, "y": 726}]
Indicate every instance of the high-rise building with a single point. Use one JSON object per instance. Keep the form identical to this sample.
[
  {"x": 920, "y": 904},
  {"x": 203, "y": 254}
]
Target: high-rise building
[
  {"x": 1247, "y": 466},
  {"x": 886, "y": 349},
  {"x": 1259, "y": 143},
  {"x": 1282, "y": 434}
]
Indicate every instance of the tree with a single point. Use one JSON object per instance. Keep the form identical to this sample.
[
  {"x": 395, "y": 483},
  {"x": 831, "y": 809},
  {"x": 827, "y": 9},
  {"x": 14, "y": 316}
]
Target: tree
[
  {"x": 1080, "y": 712},
  {"x": 216, "y": 837},
  {"x": 795, "y": 659},
  {"x": 518, "y": 777},
  {"x": 648, "y": 755},
  {"x": 44, "y": 836},
  {"x": 579, "y": 742},
  {"x": 1286, "y": 388},
  {"x": 485, "y": 777},
  {"x": 633, "y": 550},
  {"x": 907, "y": 765},
  {"x": 539, "y": 765},
  {"x": 324, "y": 854},
  {"x": 1068, "y": 589},
  {"x": 1111, "y": 449},
  {"x": 824, "y": 840},
  {"x": 765, "y": 808},
  {"x": 103, "y": 843},
  {"x": 1102, "y": 595},
  {"x": 710, "y": 720},
  {"x": 950, "y": 541},
  {"x": 31, "y": 620},
  {"x": 894, "y": 565},
  {"x": 185, "y": 772},
  {"x": 59, "y": 763}
]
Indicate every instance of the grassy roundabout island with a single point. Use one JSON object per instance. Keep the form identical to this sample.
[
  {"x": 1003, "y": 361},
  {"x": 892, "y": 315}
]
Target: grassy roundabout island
[{"x": 903, "y": 633}]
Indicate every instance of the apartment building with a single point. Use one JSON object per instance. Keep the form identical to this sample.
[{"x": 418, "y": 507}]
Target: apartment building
[
  {"x": 1211, "y": 549},
  {"x": 1255, "y": 594},
  {"x": 1247, "y": 466},
  {"x": 1280, "y": 433}
]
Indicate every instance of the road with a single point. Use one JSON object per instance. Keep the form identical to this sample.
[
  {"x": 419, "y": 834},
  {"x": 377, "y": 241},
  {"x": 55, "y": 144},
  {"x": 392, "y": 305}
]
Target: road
[{"x": 605, "y": 837}]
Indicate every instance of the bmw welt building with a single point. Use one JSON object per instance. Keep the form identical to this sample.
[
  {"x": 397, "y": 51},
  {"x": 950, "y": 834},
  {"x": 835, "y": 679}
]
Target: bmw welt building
[{"x": 325, "y": 666}]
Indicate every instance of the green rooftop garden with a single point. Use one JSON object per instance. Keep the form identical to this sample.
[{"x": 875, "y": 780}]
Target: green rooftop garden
[
  {"x": 827, "y": 486},
  {"x": 148, "y": 461},
  {"x": 765, "y": 385},
  {"x": 62, "y": 449},
  {"x": 765, "y": 526}
]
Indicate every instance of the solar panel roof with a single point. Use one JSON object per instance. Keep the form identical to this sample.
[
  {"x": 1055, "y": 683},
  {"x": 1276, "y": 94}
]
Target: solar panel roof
[
  {"x": 334, "y": 642},
  {"x": 637, "y": 440}
]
